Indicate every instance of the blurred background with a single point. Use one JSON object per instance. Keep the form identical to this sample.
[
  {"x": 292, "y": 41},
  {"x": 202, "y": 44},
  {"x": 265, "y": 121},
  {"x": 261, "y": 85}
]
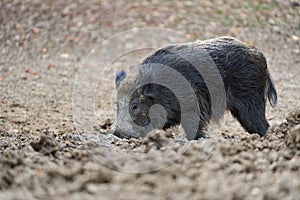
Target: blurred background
[{"x": 73, "y": 27}]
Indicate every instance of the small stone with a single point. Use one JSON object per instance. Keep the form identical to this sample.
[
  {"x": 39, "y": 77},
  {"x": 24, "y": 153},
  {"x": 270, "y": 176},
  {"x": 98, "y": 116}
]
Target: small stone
[
  {"x": 272, "y": 22},
  {"x": 15, "y": 131},
  {"x": 295, "y": 38},
  {"x": 276, "y": 29},
  {"x": 34, "y": 30},
  {"x": 18, "y": 27},
  {"x": 64, "y": 55},
  {"x": 255, "y": 191}
]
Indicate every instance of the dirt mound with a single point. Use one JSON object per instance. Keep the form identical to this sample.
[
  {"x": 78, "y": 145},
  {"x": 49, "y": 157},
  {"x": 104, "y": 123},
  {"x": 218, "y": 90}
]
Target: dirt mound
[{"x": 57, "y": 165}]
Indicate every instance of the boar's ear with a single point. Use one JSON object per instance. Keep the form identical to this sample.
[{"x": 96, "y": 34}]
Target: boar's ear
[{"x": 119, "y": 77}]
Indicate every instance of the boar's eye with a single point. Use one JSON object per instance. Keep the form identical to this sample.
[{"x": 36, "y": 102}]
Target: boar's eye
[
  {"x": 134, "y": 107},
  {"x": 149, "y": 91},
  {"x": 150, "y": 96}
]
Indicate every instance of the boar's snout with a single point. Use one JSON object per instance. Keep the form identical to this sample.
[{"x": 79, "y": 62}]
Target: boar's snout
[{"x": 121, "y": 133}]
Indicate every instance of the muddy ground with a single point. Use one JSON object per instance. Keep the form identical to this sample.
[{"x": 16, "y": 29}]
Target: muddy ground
[{"x": 45, "y": 155}]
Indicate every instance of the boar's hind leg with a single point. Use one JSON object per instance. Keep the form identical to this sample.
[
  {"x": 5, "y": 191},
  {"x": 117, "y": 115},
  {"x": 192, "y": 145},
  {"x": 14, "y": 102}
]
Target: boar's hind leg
[{"x": 251, "y": 115}]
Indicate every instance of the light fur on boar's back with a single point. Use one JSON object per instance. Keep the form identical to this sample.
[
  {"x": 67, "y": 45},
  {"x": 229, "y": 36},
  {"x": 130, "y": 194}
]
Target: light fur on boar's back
[{"x": 244, "y": 76}]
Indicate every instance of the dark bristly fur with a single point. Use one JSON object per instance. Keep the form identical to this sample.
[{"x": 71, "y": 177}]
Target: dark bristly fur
[{"x": 244, "y": 72}]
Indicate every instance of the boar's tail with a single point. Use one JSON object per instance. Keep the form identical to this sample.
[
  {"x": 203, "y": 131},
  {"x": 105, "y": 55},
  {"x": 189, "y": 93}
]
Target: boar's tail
[{"x": 271, "y": 92}]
